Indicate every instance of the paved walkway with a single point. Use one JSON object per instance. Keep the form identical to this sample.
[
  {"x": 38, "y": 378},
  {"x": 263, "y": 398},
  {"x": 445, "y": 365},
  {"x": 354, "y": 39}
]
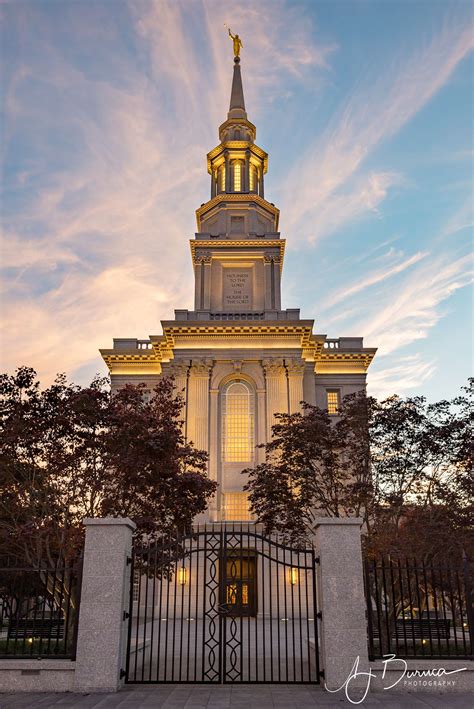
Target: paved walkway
[{"x": 242, "y": 697}]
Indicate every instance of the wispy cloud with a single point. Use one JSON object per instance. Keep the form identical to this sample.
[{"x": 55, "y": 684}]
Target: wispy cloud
[
  {"x": 322, "y": 182},
  {"x": 413, "y": 308},
  {"x": 118, "y": 110},
  {"x": 407, "y": 374},
  {"x": 372, "y": 279}
]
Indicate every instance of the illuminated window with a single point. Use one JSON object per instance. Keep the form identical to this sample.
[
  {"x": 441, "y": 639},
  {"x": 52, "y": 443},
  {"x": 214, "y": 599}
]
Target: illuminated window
[
  {"x": 236, "y": 507},
  {"x": 332, "y": 401},
  {"x": 237, "y": 423},
  {"x": 222, "y": 177},
  {"x": 252, "y": 174},
  {"x": 237, "y": 175}
]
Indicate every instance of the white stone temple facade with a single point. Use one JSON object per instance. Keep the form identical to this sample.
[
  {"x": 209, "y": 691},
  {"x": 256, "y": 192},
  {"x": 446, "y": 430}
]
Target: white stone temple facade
[{"x": 238, "y": 357}]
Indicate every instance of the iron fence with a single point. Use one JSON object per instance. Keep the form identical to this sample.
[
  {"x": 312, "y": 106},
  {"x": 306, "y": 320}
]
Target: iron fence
[
  {"x": 39, "y": 610},
  {"x": 419, "y": 610},
  {"x": 222, "y": 604}
]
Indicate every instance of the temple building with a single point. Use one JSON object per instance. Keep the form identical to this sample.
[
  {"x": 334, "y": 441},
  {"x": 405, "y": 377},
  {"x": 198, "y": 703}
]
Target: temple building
[{"x": 238, "y": 357}]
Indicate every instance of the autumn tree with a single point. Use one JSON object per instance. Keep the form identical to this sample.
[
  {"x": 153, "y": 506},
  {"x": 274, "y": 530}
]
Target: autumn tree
[
  {"x": 393, "y": 463},
  {"x": 68, "y": 452},
  {"x": 315, "y": 465}
]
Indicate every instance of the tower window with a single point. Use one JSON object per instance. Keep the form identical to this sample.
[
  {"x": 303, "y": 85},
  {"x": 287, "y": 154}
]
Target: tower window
[
  {"x": 332, "y": 401},
  {"x": 222, "y": 178},
  {"x": 237, "y": 423},
  {"x": 252, "y": 175},
  {"x": 237, "y": 177}
]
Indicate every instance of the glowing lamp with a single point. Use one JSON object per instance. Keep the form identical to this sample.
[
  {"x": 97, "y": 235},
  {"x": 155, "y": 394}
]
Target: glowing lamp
[
  {"x": 182, "y": 576},
  {"x": 293, "y": 576}
]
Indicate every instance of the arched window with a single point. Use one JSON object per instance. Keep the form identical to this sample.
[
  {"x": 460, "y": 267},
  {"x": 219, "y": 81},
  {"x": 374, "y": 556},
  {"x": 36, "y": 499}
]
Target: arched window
[
  {"x": 222, "y": 178},
  {"x": 237, "y": 423},
  {"x": 252, "y": 178},
  {"x": 237, "y": 176}
]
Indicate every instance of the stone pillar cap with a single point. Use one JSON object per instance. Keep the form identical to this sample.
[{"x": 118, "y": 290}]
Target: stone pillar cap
[
  {"x": 320, "y": 521},
  {"x": 110, "y": 521}
]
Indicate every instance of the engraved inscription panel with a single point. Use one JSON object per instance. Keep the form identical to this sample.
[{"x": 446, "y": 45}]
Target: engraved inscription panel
[{"x": 237, "y": 289}]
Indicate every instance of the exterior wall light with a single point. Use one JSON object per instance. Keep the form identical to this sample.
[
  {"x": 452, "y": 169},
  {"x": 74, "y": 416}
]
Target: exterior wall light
[
  {"x": 293, "y": 576},
  {"x": 182, "y": 576}
]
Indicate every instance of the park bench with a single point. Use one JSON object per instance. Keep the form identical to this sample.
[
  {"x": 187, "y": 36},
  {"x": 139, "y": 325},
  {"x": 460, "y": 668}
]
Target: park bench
[
  {"x": 418, "y": 628},
  {"x": 36, "y": 627}
]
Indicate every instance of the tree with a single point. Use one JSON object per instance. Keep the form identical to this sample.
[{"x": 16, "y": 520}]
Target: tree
[
  {"x": 68, "y": 452},
  {"x": 394, "y": 463},
  {"x": 315, "y": 465}
]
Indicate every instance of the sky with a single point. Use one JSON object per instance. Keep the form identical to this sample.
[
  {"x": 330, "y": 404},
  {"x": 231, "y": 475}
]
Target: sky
[{"x": 365, "y": 108}]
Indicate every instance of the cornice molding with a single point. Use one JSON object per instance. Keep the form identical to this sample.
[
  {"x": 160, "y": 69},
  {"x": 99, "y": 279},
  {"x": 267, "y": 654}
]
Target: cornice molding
[
  {"x": 237, "y": 197},
  {"x": 230, "y": 244}
]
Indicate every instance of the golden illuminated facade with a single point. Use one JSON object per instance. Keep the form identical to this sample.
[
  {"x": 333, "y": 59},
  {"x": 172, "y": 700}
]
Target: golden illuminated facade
[{"x": 238, "y": 357}]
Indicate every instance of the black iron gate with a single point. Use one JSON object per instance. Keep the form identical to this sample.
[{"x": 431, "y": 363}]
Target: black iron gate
[{"x": 222, "y": 604}]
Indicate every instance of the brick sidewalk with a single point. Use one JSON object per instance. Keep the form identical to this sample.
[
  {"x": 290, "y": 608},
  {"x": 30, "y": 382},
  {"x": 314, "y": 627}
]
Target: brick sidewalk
[{"x": 241, "y": 697}]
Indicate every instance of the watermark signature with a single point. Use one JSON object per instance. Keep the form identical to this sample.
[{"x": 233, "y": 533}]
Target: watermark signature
[{"x": 410, "y": 678}]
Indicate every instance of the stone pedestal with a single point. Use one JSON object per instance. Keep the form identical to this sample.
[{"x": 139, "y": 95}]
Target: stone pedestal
[
  {"x": 104, "y": 598},
  {"x": 341, "y": 599}
]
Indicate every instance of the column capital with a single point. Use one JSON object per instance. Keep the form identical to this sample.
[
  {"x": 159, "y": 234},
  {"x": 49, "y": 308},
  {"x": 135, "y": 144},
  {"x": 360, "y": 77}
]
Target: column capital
[
  {"x": 295, "y": 366},
  {"x": 202, "y": 367},
  {"x": 272, "y": 366},
  {"x": 179, "y": 369}
]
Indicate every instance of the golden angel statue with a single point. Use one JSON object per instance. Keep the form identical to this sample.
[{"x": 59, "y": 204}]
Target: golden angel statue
[{"x": 237, "y": 43}]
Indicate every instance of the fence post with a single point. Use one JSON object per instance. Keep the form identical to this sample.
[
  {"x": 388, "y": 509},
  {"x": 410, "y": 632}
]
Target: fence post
[
  {"x": 104, "y": 598},
  {"x": 341, "y": 599}
]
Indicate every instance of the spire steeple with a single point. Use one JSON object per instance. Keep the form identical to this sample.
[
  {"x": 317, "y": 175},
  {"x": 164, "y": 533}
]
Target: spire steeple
[{"x": 237, "y": 102}]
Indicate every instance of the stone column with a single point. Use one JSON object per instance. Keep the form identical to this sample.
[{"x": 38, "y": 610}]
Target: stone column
[
  {"x": 213, "y": 442},
  {"x": 198, "y": 403},
  {"x": 276, "y": 396},
  {"x": 295, "y": 369},
  {"x": 309, "y": 384},
  {"x": 261, "y": 423},
  {"x": 227, "y": 172},
  {"x": 206, "y": 304},
  {"x": 101, "y": 642},
  {"x": 276, "y": 282},
  {"x": 198, "y": 273},
  {"x": 341, "y": 599},
  {"x": 268, "y": 266},
  {"x": 179, "y": 370}
]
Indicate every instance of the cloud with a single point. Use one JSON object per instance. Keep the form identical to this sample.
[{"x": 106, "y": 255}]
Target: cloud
[
  {"x": 372, "y": 279},
  {"x": 108, "y": 120},
  {"x": 409, "y": 373},
  {"x": 322, "y": 181},
  {"x": 406, "y": 314}
]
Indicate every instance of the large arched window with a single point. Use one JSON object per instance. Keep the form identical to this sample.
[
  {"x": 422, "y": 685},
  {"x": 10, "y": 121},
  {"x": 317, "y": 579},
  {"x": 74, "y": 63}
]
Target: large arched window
[{"x": 238, "y": 424}]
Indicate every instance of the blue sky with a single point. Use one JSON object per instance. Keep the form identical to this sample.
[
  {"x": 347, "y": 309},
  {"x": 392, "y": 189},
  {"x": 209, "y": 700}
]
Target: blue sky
[{"x": 365, "y": 109}]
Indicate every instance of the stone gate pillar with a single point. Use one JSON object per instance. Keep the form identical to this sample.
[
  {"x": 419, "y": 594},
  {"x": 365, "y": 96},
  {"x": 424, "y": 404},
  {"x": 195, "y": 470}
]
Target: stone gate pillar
[
  {"x": 101, "y": 640},
  {"x": 341, "y": 599}
]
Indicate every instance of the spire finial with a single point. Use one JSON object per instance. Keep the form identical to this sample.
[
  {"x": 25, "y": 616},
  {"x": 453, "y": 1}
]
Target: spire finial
[{"x": 237, "y": 42}]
